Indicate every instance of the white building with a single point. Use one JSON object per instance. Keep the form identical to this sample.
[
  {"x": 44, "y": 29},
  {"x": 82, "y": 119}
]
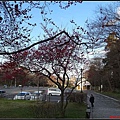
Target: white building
[{"x": 84, "y": 84}]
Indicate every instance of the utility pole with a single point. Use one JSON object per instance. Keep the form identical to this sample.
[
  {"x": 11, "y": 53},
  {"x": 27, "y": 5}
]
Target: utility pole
[{"x": 81, "y": 79}]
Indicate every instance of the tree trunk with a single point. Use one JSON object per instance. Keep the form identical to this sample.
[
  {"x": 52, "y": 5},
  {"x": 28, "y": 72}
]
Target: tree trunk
[
  {"x": 62, "y": 110},
  {"x": 109, "y": 82}
]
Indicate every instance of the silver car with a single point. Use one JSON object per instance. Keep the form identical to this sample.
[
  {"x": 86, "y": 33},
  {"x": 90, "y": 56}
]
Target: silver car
[
  {"x": 37, "y": 95},
  {"x": 22, "y": 96}
]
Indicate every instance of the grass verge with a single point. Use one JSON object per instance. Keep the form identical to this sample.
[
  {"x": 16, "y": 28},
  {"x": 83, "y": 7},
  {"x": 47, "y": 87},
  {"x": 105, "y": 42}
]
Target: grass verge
[
  {"x": 112, "y": 94},
  {"x": 15, "y": 109},
  {"x": 24, "y": 109},
  {"x": 76, "y": 110}
]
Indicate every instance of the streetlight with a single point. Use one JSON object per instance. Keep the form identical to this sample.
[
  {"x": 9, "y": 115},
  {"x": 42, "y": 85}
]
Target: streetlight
[{"x": 81, "y": 78}]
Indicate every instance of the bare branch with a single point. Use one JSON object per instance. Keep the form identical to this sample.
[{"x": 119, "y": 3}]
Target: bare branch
[{"x": 39, "y": 42}]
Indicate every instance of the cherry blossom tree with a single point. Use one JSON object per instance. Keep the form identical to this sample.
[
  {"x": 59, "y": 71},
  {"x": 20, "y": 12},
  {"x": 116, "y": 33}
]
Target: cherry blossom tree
[
  {"x": 55, "y": 58},
  {"x": 13, "y": 74},
  {"x": 55, "y": 55}
]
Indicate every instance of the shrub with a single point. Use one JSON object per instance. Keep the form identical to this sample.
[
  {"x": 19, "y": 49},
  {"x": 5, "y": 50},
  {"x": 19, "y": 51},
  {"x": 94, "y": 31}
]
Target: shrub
[
  {"x": 78, "y": 97},
  {"x": 46, "y": 110}
]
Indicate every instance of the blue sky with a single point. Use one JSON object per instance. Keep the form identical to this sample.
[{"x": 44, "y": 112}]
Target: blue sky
[{"x": 79, "y": 13}]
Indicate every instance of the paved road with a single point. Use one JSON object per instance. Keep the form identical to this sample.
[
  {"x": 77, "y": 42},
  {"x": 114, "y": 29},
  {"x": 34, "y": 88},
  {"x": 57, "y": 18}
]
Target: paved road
[{"x": 105, "y": 107}]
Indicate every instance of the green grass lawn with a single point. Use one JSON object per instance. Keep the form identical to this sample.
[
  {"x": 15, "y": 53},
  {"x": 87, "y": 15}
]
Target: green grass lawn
[
  {"x": 75, "y": 110},
  {"x": 24, "y": 109},
  {"x": 112, "y": 94},
  {"x": 115, "y": 95},
  {"x": 15, "y": 109}
]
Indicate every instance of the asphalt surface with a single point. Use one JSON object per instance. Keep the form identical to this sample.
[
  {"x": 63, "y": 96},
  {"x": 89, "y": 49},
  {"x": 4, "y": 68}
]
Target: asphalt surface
[{"x": 104, "y": 107}]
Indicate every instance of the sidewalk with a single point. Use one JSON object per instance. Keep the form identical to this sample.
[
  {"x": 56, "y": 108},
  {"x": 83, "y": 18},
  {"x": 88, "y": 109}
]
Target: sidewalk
[{"x": 104, "y": 107}]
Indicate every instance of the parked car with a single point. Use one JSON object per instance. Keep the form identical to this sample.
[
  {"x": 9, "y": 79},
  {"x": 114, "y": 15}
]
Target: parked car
[
  {"x": 2, "y": 93},
  {"x": 23, "y": 95},
  {"x": 37, "y": 95},
  {"x": 53, "y": 91},
  {"x": 68, "y": 91},
  {"x": 5, "y": 86}
]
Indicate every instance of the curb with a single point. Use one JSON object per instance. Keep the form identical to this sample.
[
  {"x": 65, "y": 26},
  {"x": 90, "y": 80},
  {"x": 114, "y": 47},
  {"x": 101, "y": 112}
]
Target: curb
[{"x": 108, "y": 97}]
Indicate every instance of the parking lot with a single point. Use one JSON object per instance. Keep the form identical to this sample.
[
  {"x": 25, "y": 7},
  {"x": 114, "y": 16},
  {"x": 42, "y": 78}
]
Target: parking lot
[{"x": 12, "y": 91}]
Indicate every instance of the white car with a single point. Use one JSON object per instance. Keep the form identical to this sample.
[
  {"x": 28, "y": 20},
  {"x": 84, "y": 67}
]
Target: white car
[
  {"x": 53, "y": 91},
  {"x": 37, "y": 95},
  {"x": 22, "y": 96}
]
